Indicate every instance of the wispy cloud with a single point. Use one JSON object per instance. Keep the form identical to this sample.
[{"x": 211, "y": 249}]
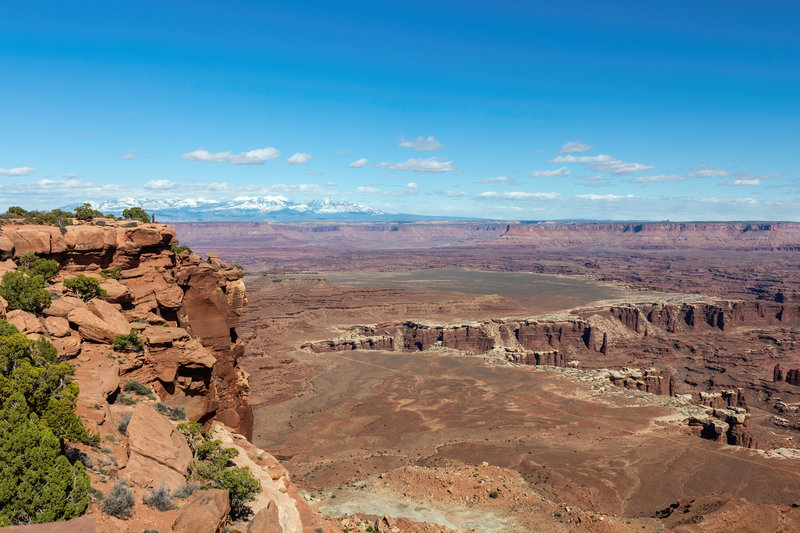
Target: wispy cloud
[
  {"x": 298, "y": 159},
  {"x": 160, "y": 185},
  {"x": 746, "y": 182},
  {"x": 658, "y": 178},
  {"x": 359, "y": 163},
  {"x": 607, "y": 197},
  {"x": 369, "y": 190},
  {"x": 429, "y": 165},
  {"x": 343, "y": 152},
  {"x": 130, "y": 154},
  {"x": 604, "y": 163},
  {"x": 498, "y": 179},
  {"x": 710, "y": 173},
  {"x": 19, "y": 171},
  {"x": 448, "y": 194},
  {"x": 563, "y": 171},
  {"x": 519, "y": 195},
  {"x": 575, "y": 147},
  {"x": 420, "y": 144},
  {"x": 253, "y": 157}
]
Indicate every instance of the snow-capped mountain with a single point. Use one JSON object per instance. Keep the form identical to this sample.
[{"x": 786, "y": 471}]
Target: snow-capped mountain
[{"x": 251, "y": 208}]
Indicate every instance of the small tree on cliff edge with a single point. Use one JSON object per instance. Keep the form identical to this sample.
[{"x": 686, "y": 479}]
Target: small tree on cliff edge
[{"x": 136, "y": 213}]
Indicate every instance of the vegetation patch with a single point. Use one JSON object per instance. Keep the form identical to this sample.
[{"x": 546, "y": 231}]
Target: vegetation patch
[
  {"x": 128, "y": 343},
  {"x": 85, "y": 287}
]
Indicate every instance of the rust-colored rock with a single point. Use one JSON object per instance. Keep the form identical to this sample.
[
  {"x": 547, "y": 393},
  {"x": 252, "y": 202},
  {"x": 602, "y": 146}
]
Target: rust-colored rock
[
  {"x": 205, "y": 512},
  {"x": 84, "y": 524},
  {"x": 152, "y": 435},
  {"x": 93, "y": 328}
]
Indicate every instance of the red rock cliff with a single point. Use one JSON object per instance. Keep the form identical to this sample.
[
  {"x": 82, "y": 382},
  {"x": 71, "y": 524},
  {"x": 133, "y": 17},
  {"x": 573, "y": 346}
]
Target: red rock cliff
[{"x": 186, "y": 309}]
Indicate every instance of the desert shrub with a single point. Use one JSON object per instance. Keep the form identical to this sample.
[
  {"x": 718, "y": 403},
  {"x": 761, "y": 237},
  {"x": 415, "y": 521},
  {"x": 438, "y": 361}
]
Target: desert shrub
[
  {"x": 159, "y": 499},
  {"x": 136, "y": 213},
  {"x": 33, "y": 265},
  {"x": 23, "y": 291},
  {"x": 139, "y": 388},
  {"x": 178, "y": 250},
  {"x": 96, "y": 493},
  {"x": 37, "y": 413},
  {"x": 131, "y": 225},
  {"x": 128, "y": 343},
  {"x": 56, "y": 217},
  {"x": 494, "y": 494},
  {"x": 85, "y": 211},
  {"x": 211, "y": 466},
  {"x": 85, "y": 287},
  {"x": 16, "y": 211},
  {"x": 125, "y": 399},
  {"x": 186, "y": 490},
  {"x": 100, "y": 222},
  {"x": 174, "y": 413},
  {"x": 111, "y": 273},
  {"x": 122, "y": 424},
  {"x": 119, "y": 501}
]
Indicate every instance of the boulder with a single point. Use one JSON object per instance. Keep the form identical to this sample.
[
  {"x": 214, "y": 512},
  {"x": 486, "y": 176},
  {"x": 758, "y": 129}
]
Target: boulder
[
  {"x": 266, "y": 520},
  {"x": 68, "y": 346},
  {"x": 147, "y": 473},
  {"x": 63, "y": 306},
  {"x": 57, "y": 326},
  {"x": 152, "y": 435},
  {"x": 42, "y": 240},
  {"x": 24, "y": 321},
  {"x": 3, "y": 307},
  {"x": 6, "y": 247},
  {"x": 8, "y": 265},
  {"x": 165, "y": 336},
  {"x": 204, "y": 512},
  {"x": 110, "y": 314},
  {"x": 92, "y": 328},
  {"x": 168, "y": 295},
  {"x": 116, "y": 292}
]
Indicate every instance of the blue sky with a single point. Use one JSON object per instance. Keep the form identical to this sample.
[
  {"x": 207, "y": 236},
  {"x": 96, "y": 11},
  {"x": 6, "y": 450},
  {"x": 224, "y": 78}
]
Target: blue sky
[{"x": 538, "y": 110}]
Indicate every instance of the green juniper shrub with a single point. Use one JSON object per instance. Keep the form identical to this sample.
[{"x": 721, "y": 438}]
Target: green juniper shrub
[
  {"x": 139, "y": 388},
  {"x": 125, "y": 399},
  {"x": 119, "y": 501},
  {"x": 128, "y": 343},
  {"x": 211, "y": 466},
  {"x": 85, "y": 211},
  {"x": 159, "y": 499},
  {"x": 23, "y": 291},
  {"x": 33, "y": 265},
  {"x": 178, "y": 250},
  {"x": 111, "y": 273},
  {"x": 37, "y": 414},
  {"x": 131, "y": 225},
  {"x": 16, "y": 211},
  {"x": 85, "y": 287},
  {"x": 136, "y": 213}
]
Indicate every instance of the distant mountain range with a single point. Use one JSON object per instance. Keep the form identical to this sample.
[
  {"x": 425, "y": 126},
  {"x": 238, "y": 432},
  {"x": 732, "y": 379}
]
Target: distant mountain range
[{"x": 253, "y": 208}]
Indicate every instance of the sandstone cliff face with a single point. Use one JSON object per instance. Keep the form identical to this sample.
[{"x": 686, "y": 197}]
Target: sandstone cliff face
[{"x": 186, "y": 310}]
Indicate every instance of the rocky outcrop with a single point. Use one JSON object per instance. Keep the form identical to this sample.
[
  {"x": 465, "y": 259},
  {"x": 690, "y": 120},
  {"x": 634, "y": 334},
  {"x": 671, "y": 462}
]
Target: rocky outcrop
[
  {"x": 204, "y": 512},
  {"x": 789, "y": 375},
  {"x": 84, "y": 524},
  {"x": 652, "y": 380},
  {"x": 199, "y": 301}
]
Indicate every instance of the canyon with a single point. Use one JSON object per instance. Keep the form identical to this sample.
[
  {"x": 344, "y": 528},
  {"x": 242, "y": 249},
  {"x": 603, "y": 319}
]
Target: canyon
[{"x": 440, "y": 376}]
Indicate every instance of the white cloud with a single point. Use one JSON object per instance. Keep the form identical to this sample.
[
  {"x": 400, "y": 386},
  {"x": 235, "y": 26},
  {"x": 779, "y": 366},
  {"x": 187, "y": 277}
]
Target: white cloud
[
  {"x": 563, "y": 171},
  {"x": 429, "y": 165},
  {"x": 498, "y": 179},
  {"x": 70, "y": 175},
  {"x": 253, "y": 157},
  {"x": 129, "y": 154},
  {"x": 519, "y": 195},
  {"x": 448, "y": 194},
  {"x": 19, "y": 171},
  {"x": 411, "y": 189},
  {"x": 748, "y": 182},
  {"x": 710, "y": 173},
  {"x": 343, "y": 152},
  {"x": 298, "y": 158},
  {"x": 575, "y": 146},
  {"x": 603, "y": 163},
  {"x": 421, "y": 144},
  {"x": 160, "y": 185},
  {"x": 596, "y": 197},
  {"x": 658, "y": 178},
  {"x": 359, "y": 163}
]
